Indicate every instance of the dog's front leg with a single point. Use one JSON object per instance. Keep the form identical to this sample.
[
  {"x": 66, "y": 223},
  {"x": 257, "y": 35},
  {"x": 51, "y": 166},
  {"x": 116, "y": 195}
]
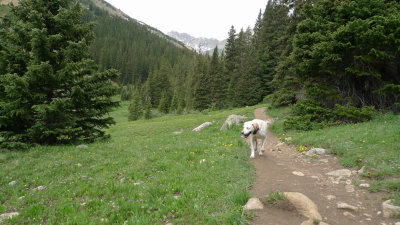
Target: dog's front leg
[
  {"x": 253, "y": 146},
  {"x": 263, "y": 146}
]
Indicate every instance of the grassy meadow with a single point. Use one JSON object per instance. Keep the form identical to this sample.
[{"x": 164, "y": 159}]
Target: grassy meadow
[
  {"x": 144, "y": 174},
  {"x": 374, "y": 144}
]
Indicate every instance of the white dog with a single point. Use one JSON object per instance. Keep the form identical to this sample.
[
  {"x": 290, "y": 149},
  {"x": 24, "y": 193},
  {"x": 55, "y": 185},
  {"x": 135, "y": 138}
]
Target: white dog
[{"x": 256, "y": 129}]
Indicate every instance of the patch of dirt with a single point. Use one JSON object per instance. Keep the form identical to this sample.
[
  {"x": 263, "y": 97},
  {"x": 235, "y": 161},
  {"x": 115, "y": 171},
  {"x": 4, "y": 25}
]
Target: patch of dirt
[{"x": 274, "y": 172}]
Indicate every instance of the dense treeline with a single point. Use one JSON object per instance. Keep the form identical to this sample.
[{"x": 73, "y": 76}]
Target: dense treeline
[
  {"x": 335, "y": 61},
  {"x": 128, "y": 46}
]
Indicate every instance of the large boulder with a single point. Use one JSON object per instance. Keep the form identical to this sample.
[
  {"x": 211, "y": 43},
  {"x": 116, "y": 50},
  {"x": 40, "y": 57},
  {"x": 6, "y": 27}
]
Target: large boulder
[{"x": 231, "y": 120}]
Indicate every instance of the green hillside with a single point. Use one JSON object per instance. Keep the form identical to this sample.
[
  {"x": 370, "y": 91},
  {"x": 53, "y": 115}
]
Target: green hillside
[{"x": 145, "y": 174}]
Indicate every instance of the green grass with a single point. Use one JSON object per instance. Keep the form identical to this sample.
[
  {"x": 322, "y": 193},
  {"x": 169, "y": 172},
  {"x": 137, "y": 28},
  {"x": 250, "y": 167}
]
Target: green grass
[
  {"x": 275, "y": 196},
  {"x": 374, "y": 144},
  {"x": 143, "y": 175}
]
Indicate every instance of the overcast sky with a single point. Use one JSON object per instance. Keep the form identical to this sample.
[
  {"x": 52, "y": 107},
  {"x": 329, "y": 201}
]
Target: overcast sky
[{"x": 199, "y": 18}]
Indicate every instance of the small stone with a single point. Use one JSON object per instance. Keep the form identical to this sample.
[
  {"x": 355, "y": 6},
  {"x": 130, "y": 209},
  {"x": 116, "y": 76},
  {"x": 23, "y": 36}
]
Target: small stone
[
  {"x": 10, "y": 215},
  {"x": 323, "y": 223},
  {"x": 348, "y": 214},
  {"x": 314, "y": 177},
  {"x": 168, "y": 224},
  {"x": 318, "y": 151},
  {"x": 342, "y": 205},
  {"x": 397, "y": 223},
  {"x": 22, "y": 197},
  {"x": 254, "y": 204},
  {"x": 288, "y": 139},
  {"x": 368, "y": 219},
  {"x": 12, "y": 183},
  {"x": 82, "y": 146},
  {"x": 41, "y": 188},
  {"x": 365, "y": 185},
  {"x": 340, "y": 173},
  {"x": 323, "y": 161},
  {"x": 330, "y": 197},
  {"x": 367, "y": 215},
  {"x": 297, "y": 173},
  {"x": 279, "y": 144},
  {"x": 390, "y": 210},
  {"x": 378, "y": 213},
  {"x": 360, "y": 171},
  {"x": 136, "y": 183},
  {"x": 78, "y": 165},
  {"x": 349, "y": 188}
]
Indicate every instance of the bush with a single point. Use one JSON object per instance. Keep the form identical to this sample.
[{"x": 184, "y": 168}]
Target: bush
[{"x": 310, "y": 115}]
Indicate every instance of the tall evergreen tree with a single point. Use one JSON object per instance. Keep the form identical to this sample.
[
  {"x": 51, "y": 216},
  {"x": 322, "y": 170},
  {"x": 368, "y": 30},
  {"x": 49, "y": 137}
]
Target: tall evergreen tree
[
  {"x": 269, "y": 44},
  {"x": 164, "y": 103},
  {"x": 202, "y": 95},
  {"x": 135, "y": 107},
  {"x": 50, "y": 90},
  {"x": 218, "y": 85}
]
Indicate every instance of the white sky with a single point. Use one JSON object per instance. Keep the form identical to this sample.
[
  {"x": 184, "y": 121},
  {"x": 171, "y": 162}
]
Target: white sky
[{"x": 199, "y": 18}]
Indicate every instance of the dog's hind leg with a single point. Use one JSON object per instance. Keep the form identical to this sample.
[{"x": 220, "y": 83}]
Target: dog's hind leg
[{"x": 262, "y": 149}]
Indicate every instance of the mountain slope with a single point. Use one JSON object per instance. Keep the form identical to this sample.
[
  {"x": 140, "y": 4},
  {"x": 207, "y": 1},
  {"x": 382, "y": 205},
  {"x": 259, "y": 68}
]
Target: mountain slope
[
  {"x": 126, "y": 44},
  {"x": 201, "y": 44}
]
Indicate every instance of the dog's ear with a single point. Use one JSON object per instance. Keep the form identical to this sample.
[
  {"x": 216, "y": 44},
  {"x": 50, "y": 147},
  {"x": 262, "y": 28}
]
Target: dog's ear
[{"x": 256, "y": 128}]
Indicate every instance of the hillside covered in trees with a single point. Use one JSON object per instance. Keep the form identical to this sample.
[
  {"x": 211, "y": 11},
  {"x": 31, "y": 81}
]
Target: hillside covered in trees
[{"x": 334, "y": 61}]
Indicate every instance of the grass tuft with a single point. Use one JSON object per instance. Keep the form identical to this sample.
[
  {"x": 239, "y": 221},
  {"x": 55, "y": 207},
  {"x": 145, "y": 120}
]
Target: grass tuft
[{"x": 275, "y": 196}]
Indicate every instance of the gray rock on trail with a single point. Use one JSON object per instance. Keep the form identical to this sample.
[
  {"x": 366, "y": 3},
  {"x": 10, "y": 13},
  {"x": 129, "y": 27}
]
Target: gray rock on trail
[
  {"x": 318, "y": 151},
  {"x": 202, "y": 126},
  {"x": 390, "y": 210},
  {"x": 231, "y": 120},
  {"x": 304, "y": 206},
  {"x": 254, "y": 204},
  {"x": 297, "y": 173},
  {"x": 340, "y": 173},
  {"x": 10, "y": 215},
  {"x": 342, "y": 205}
]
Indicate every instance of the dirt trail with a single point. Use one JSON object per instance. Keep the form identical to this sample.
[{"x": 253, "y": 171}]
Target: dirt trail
[{"x": 274, "y": 172}]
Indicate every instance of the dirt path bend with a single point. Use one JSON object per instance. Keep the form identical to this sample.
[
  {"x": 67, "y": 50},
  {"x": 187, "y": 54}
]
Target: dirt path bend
[{"x": 275, "y": 169}]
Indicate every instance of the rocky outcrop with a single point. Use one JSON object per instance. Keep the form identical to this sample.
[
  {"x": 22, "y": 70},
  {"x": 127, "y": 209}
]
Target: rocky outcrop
[{"x": 231, "y": 120}]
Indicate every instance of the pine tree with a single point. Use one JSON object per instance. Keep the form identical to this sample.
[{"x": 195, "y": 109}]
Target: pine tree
[
  {"x": 164, "y": 103},
  {"x": 147, "y": 112},
  {"x": 174, "y": 102},
  {"x": 50, "y": 90},
  {"x": 135, "y": 107},
  {"x": 202, "y": 95},
  {"x": 218, "y": 87}
]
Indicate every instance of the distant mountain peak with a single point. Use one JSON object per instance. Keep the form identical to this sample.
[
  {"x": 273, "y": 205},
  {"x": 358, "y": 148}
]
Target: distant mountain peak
[{"x": 200, "y": 44}]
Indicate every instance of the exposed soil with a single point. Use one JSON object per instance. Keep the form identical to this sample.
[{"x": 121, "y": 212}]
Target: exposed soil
[{"x": 274, "y": 172}]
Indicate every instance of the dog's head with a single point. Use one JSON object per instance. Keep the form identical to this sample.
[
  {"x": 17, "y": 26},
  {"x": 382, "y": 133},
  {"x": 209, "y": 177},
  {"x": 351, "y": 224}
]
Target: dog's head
[{"x": 250, "y": 127}]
